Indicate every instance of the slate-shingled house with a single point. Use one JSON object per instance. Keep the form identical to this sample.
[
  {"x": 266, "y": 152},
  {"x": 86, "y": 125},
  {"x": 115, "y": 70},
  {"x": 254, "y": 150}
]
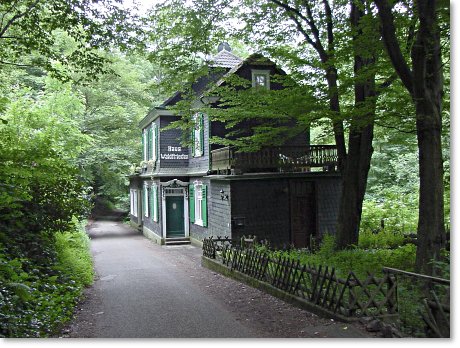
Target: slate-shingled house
[{"x": 187, "y": 194}]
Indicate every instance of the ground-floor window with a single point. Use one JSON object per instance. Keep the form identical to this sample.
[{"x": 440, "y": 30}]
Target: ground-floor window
[
  {"x": 153, "y": 197},
  {"x": 146, "y": 200},
  {"x": 198, "y": 204},
  {"x": 133, "y": 200}
]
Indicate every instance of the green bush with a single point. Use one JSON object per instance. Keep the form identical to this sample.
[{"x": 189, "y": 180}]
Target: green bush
[
  {"x": 360, "y": 261},
  {"x": 73, "y": 255}
]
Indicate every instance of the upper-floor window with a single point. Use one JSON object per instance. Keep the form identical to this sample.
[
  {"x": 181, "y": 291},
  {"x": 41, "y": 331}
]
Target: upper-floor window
[
  {"x": 261, "y": 78},
  {"x": 154, "y": 142},
  {"x": 198, "y": 135},
  {"x": 150, "y": 143},
  {"x": 145, "y": 145}
]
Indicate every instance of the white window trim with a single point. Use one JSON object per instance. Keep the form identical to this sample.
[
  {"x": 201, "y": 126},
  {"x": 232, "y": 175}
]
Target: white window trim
[
  {"x": 198, "y": 185},
  {"x": 146, "y": 200},
  {"x": 155, "y": 202},
  {"x": 144, "y": 135},
  {"x": 265, "y": 73},
  {"x": 133, "y": 199}
]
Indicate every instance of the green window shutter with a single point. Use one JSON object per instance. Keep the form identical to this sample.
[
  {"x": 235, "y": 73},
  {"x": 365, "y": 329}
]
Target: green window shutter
[
  {"x": 204, "y": 205},
  {"x": 156, "y": 142},
  {"x": 191, "y": 202},
  {"x": 202, "y": 133}
]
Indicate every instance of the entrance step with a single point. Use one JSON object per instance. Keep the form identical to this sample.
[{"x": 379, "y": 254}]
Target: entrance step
[{"x": 177, "y": 241}]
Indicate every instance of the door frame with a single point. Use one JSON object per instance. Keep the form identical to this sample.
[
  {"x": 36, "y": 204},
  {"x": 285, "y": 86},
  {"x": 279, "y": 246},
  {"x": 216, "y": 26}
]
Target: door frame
[{"x": 176, "y": 188}]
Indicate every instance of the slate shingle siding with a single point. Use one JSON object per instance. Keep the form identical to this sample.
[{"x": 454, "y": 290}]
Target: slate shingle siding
[
  {"x": 263, "y": 207},
  {"x": 171, "y": 138},
  {"x": 220, "y": 210},
  {"x": 329, "y": 190}
]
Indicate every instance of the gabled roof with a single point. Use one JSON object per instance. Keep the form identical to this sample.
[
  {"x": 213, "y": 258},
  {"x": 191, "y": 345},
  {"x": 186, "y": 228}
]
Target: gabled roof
[
  {"x": 223, "y": 64},
  {"x": 225, "y": 59}
]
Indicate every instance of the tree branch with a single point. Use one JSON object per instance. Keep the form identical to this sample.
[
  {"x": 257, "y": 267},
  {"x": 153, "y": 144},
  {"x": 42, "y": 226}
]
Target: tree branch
[
  {"x": 293, "y": 13},
  {"x": 392, "y": 45},
  {"x": 330, "y": 33},
  {"x": 16, "y": 64},
  {"x": 16, "y": 17}
]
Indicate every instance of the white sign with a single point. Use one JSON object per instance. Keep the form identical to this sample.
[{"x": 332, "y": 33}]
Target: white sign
[{"x": 170, "y": 155}]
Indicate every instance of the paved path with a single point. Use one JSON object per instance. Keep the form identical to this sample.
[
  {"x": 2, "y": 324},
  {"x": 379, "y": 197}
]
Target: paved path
[{"x": 146, "y": 290}]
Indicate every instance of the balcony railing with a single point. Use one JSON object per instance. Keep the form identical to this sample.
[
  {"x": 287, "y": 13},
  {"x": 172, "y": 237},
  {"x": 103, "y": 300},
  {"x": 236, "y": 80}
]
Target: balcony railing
[{"x": 275, "y": 159}]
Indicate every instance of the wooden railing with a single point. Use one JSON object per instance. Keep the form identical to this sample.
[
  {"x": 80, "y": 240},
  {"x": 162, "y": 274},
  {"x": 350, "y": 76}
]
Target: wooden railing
[
  {"x": 349, "y": 297},
  {"x": 270, "y": 159}
]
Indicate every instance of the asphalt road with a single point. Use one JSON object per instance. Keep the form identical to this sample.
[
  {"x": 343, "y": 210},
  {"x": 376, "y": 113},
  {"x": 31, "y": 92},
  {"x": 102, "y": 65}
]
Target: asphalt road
[
  {"x": 144, "y": 290},
  {"x": 140, "y": 294}
]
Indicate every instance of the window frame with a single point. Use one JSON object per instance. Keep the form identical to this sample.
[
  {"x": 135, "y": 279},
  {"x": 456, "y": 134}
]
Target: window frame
[
  {"x": 133, "y": 200},
  {"x": 154, "y": 145},
  {"x": 255, "y": 73},
  {"x": 146, "y": 194},
  {"x": 198, "y": 204},
  {"x": 145, "y": 144}
]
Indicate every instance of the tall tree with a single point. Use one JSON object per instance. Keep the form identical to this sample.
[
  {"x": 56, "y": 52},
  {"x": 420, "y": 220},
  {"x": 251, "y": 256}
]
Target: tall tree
[
  {"x": 361, "y": 133},
  {"x": 422, "y": 76},
  {"x": 29, "y": 26}
]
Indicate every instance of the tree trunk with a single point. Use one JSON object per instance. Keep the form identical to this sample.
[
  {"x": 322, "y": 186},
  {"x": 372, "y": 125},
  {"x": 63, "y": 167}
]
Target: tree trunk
[
  {"x": 360, "y": 149},
  {"x": 427, "y": 96},
  {"x": 337, "y": 124}
]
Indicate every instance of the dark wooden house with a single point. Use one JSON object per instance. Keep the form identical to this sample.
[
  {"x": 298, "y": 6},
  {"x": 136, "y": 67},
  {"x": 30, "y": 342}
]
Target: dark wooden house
[{"x": 185, "y": 194}]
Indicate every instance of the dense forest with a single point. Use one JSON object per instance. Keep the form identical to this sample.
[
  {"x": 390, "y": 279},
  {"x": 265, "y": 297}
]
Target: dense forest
[{"x": 76, "y": 77}]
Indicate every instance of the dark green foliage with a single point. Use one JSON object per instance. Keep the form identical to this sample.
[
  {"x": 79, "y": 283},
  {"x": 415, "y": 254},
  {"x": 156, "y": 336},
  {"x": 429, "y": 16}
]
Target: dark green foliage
[
  {"x": 41, "y": 278},
  {"x": 29, "y": 26},
  {"x": 358, "y": 260}
]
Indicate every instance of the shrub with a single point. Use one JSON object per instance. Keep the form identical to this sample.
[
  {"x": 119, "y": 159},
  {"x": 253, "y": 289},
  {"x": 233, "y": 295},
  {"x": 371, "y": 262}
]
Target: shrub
[
  {"x": 73, "y": 255},
  {"x": 41, "y": 279}
]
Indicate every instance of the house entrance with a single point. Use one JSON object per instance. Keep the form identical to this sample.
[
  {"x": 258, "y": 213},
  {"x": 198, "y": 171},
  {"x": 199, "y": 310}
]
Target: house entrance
[
  {"x": 303, "y": 212},
  {"x": 175, "y": 216}
]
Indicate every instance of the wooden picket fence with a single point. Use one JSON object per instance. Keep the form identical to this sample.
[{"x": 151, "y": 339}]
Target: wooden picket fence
[{"x": 319, "y": 285}]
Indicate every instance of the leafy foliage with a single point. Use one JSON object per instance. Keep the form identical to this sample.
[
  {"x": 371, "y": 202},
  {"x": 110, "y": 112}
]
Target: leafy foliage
[
  {"x": 40, "y": 281},
  {"x": 29, "y": 26}
]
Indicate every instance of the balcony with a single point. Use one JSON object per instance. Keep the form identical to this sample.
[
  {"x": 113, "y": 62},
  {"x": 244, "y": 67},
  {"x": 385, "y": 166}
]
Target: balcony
[{"x": 275, "y": 159}]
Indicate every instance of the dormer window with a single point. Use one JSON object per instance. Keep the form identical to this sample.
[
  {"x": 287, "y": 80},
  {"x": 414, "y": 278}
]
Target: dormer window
[{"x": 261, "y": 78}]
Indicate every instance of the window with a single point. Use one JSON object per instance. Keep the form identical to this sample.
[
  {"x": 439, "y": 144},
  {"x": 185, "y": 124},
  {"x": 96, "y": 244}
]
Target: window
[
  {"x": 261, "y": 78},
  {"x": 198, "y": 204},
  {"x": 145, "y": 145},
  {"x": 154, "y": 145},
  {"x": 198, "y": 135},
  {"x": 146, "y": 200},
  {"x": 133, "y": 199},
  {"x": 154, "y": 202}
]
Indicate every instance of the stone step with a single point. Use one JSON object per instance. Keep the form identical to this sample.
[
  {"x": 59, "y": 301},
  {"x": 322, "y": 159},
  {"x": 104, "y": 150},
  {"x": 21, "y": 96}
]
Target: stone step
[{"x": 177, "y": 241}]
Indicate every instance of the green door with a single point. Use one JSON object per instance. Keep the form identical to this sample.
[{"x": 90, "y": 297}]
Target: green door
[{"x": 175, "y": 216}]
